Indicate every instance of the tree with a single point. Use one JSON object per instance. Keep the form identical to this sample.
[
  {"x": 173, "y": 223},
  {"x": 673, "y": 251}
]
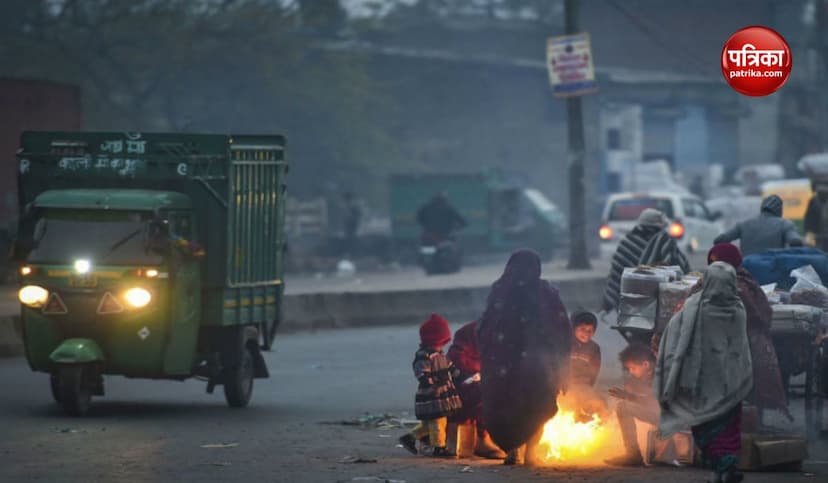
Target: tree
[{"x": 211, "y": 65}]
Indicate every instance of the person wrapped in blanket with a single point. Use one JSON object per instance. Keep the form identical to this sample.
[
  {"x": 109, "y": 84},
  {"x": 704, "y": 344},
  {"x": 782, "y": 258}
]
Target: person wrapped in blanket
[
  {"x": 437, "y": 397},
  {"x": 647, "y": 244},
  {"x": 704, "y": 371}
]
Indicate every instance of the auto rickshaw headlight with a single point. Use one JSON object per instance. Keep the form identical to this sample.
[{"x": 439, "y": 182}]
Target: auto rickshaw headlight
[
  {"x": 33, "y": 296},
  {"x": 138, "y": 297}
]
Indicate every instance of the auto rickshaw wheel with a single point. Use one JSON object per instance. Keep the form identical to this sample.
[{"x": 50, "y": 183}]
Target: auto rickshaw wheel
[
  {"x": 238, "y": 382},
  {"x": 75, "y": 393}
]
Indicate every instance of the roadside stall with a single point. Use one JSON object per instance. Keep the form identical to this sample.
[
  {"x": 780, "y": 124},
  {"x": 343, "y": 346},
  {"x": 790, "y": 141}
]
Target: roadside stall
[{"x": 793, "y": 280}]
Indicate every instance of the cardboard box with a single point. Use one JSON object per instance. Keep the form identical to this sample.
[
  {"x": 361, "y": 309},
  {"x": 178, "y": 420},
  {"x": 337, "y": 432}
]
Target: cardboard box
[
  {"x": 761, "y": 451},
  {"x": 677, "y": 449}
]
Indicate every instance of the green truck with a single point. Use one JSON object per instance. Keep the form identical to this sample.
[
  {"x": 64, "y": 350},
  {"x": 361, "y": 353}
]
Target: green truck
[
  {"x": 150, "y": 256},
  {"x": 502, "y": 212}
]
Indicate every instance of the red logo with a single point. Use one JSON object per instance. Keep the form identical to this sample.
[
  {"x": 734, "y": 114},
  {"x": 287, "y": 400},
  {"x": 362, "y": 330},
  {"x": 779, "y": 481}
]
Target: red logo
[{"x": 756, "y": 61}]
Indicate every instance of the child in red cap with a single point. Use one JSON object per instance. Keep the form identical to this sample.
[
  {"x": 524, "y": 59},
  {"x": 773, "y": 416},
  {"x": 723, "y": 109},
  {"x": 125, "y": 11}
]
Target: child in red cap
[{"x": 436, "y": 397}]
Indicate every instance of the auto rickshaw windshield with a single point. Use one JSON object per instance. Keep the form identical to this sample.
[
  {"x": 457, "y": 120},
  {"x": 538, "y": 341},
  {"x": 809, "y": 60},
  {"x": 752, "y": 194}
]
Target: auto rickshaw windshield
[{"x": 104, "y": 237}]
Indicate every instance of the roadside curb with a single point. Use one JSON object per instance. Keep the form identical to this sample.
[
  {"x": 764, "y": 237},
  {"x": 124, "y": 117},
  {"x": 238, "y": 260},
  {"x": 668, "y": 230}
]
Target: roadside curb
[
  {"x": 319, "y": 311},
  {"x": 305, "y": 312}
]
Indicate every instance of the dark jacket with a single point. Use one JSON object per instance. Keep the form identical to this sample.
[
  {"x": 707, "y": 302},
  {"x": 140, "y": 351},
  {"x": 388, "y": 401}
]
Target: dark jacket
[
  {"x": 765, "y": 232},
  {"x": 436, "y": 395},
  {"x": 439, "y": 218},
  {"x": 584, "y": 362}
]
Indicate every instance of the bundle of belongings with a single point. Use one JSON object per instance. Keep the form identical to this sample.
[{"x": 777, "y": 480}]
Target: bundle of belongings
[{"x": 650, "y": 296}]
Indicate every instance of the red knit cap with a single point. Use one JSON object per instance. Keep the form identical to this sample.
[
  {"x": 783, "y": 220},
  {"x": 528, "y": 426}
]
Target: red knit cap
[
  {"x": 725, "y": 252},
  {"x": 435, "y": 332}
]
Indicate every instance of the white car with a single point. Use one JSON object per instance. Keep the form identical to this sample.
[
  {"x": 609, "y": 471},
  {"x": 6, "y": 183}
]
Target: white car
[{"x": 692, "y": 224}]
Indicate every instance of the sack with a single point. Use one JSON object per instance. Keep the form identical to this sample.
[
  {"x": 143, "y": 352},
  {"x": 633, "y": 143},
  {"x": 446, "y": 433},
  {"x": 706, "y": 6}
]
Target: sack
[
  {"x": 795, "y": 319},
  {"x": 775, "y": 266},
  {"x": 670, "y": 295},
  {"x": 643, "y": 280},
  {"x": 806, "y": 279}
]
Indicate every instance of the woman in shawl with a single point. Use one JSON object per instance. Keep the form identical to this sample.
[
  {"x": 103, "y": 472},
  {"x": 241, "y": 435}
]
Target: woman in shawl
[
  {"x": 768, "y": 390},
  {"x": 704, "y": 371},
  {"x": 524, "y": 337}
]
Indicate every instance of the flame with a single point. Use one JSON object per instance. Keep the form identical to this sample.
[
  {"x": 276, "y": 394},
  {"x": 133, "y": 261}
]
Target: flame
[
  {"x": 579, "y": 434},
  {"x": 565, "y": 438}
]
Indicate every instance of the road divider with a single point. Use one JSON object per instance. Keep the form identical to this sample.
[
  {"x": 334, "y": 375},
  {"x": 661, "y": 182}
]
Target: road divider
[
  {"x": 340, "y": 310},
  {"x": 314, "y": 311}
]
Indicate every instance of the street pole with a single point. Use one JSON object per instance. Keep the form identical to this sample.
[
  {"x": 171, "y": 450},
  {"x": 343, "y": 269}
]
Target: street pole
[{"x": 578, "y": 259}]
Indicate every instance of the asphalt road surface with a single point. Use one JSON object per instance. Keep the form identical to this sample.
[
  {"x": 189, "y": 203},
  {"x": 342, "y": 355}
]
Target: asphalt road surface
[{"x": 154, "y": 430}]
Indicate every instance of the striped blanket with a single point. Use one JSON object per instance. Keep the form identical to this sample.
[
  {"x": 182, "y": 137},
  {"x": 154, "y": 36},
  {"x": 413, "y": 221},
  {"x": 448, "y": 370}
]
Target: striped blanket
[{"x": 645, "y": 245}]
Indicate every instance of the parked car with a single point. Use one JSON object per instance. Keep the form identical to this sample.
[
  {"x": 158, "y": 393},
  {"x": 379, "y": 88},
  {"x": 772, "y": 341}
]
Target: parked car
[{"x": 692, "y": 224}]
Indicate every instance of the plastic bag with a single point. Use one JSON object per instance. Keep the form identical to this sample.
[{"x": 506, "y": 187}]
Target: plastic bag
[
  {"x": 808, "y": 289},
  {"x": 807, "y": 279}
]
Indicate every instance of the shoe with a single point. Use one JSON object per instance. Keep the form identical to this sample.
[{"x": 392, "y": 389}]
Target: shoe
[
  {"x": 486, "y": 448},
  {"x": 631, "y": 459},
  {"x": 408, "y": 442},
  {"x": 443, "y": 452}
]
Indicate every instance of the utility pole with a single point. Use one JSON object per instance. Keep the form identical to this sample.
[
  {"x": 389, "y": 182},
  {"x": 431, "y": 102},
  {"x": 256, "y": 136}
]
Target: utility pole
[{"x": 578, "y": 259}]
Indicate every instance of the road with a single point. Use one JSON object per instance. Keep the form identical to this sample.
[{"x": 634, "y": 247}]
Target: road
[{"x": 154, "y": 430}]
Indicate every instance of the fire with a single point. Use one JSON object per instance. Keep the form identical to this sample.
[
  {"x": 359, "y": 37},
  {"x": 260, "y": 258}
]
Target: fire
[
  {"x": 583, "y": 431},
  {"x": 565, "y": 438}
]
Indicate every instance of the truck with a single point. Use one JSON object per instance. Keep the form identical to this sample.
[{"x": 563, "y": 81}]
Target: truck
[
  {"x": 150, "y": 255},
  {"x": 502, "y": 212}
]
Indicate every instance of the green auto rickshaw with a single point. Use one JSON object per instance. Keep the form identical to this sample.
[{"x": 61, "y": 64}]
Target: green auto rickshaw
[{"x": 150, "y": 256}]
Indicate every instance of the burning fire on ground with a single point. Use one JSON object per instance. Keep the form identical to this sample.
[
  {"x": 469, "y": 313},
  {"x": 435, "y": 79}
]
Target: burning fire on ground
[{"x": 582, "y": 432}]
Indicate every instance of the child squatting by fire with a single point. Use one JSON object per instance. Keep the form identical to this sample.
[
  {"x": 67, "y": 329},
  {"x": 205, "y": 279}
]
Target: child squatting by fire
[
  {"x": 635, "y": 400},
  {"x": 437, "y": 396}
]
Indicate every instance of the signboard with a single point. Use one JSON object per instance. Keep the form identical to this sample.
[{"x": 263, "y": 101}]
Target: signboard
[{"x": 569, "y": 61}]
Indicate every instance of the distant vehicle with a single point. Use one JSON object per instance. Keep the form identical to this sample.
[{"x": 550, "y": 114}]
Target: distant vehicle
[
  {"x": 692, "y": 224},
  {"x": 502, "y": 214},
  {"x": 444, "y": 256}
]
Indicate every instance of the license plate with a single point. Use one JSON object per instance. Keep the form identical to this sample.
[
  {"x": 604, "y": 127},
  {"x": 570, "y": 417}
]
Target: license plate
[
  {"x": 83, "y": 282},
  {"x": 428, "y": 250}
]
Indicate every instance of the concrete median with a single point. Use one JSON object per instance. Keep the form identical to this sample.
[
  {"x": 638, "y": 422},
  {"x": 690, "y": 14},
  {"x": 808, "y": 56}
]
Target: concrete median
[{"x": 314, "y": 311}]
